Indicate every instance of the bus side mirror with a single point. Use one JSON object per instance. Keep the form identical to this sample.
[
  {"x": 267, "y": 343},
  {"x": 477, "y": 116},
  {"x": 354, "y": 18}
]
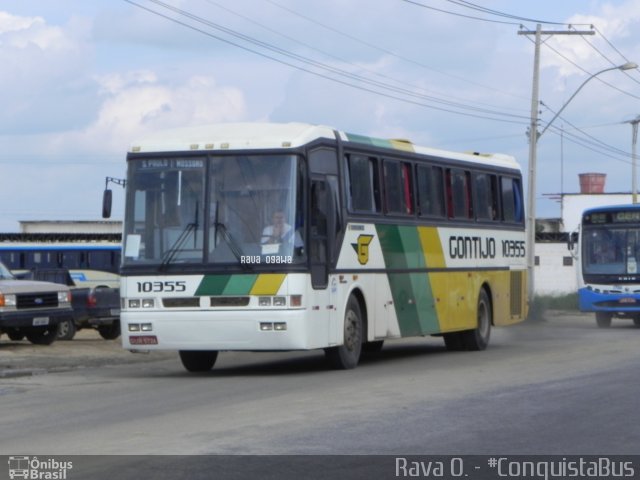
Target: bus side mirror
[
  {"x": 572, "y": 244},
  {"x": 107, "y": 200}
]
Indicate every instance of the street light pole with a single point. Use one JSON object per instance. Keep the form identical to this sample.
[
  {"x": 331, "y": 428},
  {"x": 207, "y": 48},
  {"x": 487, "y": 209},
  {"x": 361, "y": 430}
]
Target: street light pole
[
  {"x": 634, "y": 158},
  {"x": 534, "y": 135}
]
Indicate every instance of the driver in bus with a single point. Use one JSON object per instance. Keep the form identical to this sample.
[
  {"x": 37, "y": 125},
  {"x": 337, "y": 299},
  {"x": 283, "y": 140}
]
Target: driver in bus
[{"x": 280, "y": 231}]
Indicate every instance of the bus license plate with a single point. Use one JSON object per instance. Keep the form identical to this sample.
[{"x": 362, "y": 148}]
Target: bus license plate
[
  {"x": 114, "y": 311},
  {"x": 40, "y": 321}
]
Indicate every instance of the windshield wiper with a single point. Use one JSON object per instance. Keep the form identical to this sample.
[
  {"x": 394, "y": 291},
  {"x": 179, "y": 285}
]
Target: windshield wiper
[
  {"x": 233, "y": 245},
  {"x": 170, "y": 254}
]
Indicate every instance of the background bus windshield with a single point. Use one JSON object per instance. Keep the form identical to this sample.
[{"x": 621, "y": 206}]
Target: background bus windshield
[
  {"x": 242, "y": 209},
  {"x": 611, "y": 250}
]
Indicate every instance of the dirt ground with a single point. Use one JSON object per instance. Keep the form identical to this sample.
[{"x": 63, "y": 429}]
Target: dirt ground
[{"x": 87, "y": 349}]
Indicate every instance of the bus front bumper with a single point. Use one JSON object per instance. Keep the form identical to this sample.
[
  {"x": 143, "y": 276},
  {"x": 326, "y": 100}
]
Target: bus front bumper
[
  {"x": 229, "y": 330},
  {"x": 594, "y": 300}
]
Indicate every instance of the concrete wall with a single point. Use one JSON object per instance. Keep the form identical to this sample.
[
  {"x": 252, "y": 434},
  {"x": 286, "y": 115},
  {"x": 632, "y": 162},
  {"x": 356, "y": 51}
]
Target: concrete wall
[{"x": 551, "y": 276}]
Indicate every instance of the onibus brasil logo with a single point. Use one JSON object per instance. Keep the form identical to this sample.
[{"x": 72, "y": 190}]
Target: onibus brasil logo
[{"x": 21, "y": 466}]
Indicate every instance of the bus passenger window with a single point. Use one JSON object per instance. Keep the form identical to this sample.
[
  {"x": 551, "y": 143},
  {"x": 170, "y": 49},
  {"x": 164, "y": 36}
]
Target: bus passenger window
[
  {"x": 430, "y": 191},
  {"x": 363, "y": 184},
  {"x": 512, "y": 201},
  {"x": 397, "y": 188},
  {"x": 486, "y": 197},
  {"x": 458, "y": 194}
]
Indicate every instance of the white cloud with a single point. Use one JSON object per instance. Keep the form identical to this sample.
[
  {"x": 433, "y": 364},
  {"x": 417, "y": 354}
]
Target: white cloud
[
  {"x": 613, "y": 23},
  {"x": 138, "y": 102}
]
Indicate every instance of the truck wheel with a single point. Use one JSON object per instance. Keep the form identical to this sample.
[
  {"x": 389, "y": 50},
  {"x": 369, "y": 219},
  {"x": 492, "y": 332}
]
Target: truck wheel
[
  {"x": 110, "y": 332},
  {"x": 478, "y": 338},
  {"x": 15, "y": 335},
  {"x": 347, "y": 355},
  {"x": 66, "y": 329},
  {"x": 43, "y": 336},
  {"x": 198, "y": 360},
  {"x": 603, "y": 319}
]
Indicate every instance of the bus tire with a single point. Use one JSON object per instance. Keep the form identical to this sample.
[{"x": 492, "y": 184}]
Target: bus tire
[
  {"x": 198, "y": 360},
  {"x": 603, "y": 319},
  {"x": 372, "y": 347},
  {"x": 347, "y": 355},
  {"x": 66, "y": 329},
  {"x": 453, "y": 341},
  {"x": 636, "y": 320},
  {"x": 478, "y": 338},
  {"x": 111, "y": 331},
  {"x": 43, "y": 336}
]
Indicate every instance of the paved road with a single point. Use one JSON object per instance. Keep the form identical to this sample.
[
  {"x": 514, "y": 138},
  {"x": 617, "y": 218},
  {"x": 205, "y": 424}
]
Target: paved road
[{"x": 557, "y": 387}]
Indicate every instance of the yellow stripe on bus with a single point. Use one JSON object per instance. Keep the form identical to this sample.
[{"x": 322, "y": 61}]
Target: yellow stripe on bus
[{"x": 268, "y": 284}]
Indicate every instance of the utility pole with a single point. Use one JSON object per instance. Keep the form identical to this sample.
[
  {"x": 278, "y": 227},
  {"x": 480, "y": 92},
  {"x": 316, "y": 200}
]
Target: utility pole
[
  {"x": 634, "y": 158},
  {"x": 533, "y": 146}
]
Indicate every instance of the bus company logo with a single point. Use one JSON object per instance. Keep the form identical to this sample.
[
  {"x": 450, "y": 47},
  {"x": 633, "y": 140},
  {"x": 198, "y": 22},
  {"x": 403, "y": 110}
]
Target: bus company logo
[
  {"x": 21, "y": 466},
  {"x": 362, "y": 248}
]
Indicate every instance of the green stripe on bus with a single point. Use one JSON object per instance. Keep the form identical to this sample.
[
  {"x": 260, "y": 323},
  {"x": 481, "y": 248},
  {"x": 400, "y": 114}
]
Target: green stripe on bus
[
  {"x": 240, "y": 284},
  {"x": 412, "y": 295},
  {"x": 381, "y": 142},
  {"x": 212, "y": 285}
]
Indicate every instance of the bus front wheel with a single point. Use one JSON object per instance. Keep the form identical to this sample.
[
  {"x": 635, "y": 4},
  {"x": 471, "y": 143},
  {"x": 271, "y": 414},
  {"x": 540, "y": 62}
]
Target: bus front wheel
[
  {"x": 198, "y": 360},
  {"x": 347, "y": 355},
  {"x": 603, "y": 319}
]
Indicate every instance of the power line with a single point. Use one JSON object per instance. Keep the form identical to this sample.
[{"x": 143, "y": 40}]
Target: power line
[
  {"x": 390, "y": 52},
  {"x": 498, "y": 13},
  {"x": 350, "y": 76},
  {"x": 448, "y": 12},
  {"x": 341, "y": 59},
  {"x": 587, "y": 72}
]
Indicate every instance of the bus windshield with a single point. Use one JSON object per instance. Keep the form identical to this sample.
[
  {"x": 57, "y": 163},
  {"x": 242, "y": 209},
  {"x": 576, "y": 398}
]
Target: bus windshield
[
  {"x": 232, "y": 209},
  {"x": 610, "y": 251}
]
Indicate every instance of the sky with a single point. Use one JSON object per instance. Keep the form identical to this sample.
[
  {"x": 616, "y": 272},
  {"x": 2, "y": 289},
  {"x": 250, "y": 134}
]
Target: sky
[{"x": 81, "y": 81}]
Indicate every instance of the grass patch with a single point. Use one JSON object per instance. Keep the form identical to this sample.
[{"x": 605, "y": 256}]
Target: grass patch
[{"x": 542, "y": 303}]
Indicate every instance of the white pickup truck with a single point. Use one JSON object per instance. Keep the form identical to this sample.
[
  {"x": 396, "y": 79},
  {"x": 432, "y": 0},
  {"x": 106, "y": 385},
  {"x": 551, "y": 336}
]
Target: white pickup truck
[{"x": 32, "y": 309}]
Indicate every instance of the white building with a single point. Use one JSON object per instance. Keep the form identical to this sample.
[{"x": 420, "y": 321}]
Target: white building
[{"x": 555, "y": 271}]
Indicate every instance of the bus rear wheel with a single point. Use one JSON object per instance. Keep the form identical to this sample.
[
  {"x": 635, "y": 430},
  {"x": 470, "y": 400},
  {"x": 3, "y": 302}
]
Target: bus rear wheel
[
  {"x": 347, "y": 355},
  {"x": 198, "y": 360},
  {"x": 478, "y": 338},
  {"x": 603, "y": 319}
]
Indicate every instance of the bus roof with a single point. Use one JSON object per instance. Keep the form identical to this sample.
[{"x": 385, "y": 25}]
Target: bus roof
[
  {"x": 612, "y": 208},
  {"x": 247, "y": 136}
]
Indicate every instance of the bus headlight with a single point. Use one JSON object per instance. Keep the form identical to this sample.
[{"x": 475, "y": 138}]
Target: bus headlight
[
  {"x": 148, "y": 303},
  {"x": 264, "y": 301}
]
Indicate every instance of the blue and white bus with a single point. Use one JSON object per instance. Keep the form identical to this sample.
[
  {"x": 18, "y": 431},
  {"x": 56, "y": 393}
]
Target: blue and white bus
[
  {"x": 609, "y": 263},
  {"x": 93, "y": 261}
]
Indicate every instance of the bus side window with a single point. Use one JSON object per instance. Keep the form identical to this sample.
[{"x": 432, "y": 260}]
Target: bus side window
[
  {"x": 459, "y": 194},
  {"x": 430, "y": 191},
  {"x": 398, "y": 187},
  {"x": 512, "y": 202},
  {"x": 486, "y": 196},
  {"x": 363, "y": 184}
]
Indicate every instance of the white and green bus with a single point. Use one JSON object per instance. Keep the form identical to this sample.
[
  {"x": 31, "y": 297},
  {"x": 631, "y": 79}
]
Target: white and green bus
[{"x": 276, "y": 237}]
